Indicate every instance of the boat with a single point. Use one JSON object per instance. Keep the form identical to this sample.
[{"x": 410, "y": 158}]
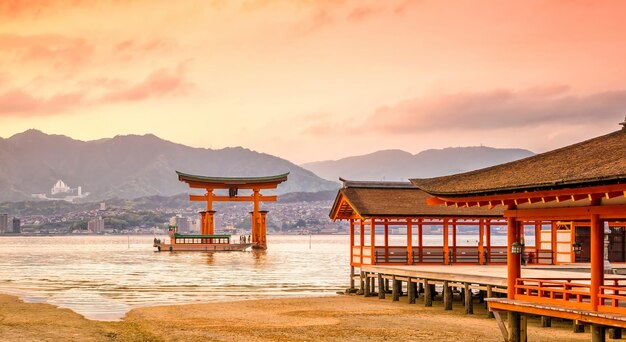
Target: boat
[{"x": 198, "y": 242}]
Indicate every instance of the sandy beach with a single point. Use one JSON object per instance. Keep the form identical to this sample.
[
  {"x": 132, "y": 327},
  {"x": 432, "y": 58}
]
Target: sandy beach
[{"x": 347, "y": 318}]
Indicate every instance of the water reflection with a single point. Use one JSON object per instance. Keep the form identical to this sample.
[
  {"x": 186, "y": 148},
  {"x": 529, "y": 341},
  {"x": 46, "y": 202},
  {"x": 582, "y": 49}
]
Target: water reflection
[{"x": 103, "y": 277}]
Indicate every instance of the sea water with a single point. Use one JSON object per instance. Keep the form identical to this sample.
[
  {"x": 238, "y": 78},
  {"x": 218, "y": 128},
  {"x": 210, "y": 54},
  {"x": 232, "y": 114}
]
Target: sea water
[{"x": 103, "y": 277}]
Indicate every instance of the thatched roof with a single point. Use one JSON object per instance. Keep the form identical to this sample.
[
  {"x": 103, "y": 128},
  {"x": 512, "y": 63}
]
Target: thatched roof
[
  {"x": 599, "y": 161},
  {"x": 394, "y": 199}
]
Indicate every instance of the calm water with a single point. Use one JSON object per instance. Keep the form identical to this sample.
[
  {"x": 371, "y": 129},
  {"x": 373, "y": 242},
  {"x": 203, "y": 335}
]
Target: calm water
[{"x": 103, "y": 277}]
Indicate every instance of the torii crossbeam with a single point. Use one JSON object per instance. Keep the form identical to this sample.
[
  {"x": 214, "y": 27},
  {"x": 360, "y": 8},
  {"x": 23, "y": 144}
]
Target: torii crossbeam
[{"x": 234, "y": 184}]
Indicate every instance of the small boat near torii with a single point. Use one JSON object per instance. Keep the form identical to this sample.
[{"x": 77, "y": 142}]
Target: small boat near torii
[{"x": 207, "y": 240}]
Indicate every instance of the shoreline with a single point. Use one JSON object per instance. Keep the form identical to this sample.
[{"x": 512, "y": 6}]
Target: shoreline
[{"x": 340, "y": 317}]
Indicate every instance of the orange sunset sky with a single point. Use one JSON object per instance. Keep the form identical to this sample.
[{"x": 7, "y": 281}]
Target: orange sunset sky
[{"x": 312, "y": 80}]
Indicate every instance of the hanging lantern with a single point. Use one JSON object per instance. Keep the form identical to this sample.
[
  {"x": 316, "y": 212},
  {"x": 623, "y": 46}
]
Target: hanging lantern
[
  {"x": 517, "y": 248},
  {"x": 577, "y": 247}
]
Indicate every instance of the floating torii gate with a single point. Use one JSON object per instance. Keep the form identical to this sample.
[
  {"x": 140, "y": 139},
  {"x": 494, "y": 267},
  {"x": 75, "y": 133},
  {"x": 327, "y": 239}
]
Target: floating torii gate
[{"x": 234, "y": 184}]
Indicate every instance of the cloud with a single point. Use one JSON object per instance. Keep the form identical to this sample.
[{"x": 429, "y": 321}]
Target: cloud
[
  {"x": 52, "y": 50},
  {"x": 159, "y": 83},
  {"x": 19, "y": 103},
  {"x": 498, "y": 109}
]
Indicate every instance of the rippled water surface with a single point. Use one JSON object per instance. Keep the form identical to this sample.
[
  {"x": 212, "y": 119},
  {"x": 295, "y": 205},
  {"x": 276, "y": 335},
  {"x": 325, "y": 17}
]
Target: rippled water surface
[{"x": 103, "y": 277}]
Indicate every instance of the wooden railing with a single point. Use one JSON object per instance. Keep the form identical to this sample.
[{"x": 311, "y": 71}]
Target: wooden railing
[
  {"x": 612, "y": 296},
  {"x": 563, "y": 292},
  {"x": 573, "y": 292}
]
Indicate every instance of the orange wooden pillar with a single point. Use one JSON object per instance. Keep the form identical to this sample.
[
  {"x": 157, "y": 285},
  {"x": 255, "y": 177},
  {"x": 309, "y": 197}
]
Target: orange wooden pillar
[
  {"x": 386, "y": 240},
  {"x": 597, "y": 259},
  {"x": 420, "y": 240},
  {"x": 256, "y": 219},
  {"x": 453, "y": 240},
  {"x": 210, "y": 222},
  {"x": 409, "y": 241},
  {"x": 263, "y": 228},
  {"x": 488, "y": 238},
  {"x": 446, "y": 253},
  {"x": 362, "y": 237},
  {"x": 481, "y": 234},
  {"x": 203, "y": 223},
  {"x": 351, "y": 241},
  {"x": 513, "y": 260},
  {"x": 373, "y": 241}
]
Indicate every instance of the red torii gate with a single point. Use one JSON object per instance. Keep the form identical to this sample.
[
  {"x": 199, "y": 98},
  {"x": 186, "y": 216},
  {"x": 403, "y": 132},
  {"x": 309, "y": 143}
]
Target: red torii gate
[{"x": 234, "y": 184}]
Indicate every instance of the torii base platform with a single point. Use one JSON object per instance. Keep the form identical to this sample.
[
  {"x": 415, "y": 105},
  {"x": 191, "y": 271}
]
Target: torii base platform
[{"x": 234, "y": 184}]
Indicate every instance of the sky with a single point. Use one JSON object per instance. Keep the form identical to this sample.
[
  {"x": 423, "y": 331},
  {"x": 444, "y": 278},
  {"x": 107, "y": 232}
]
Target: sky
[{"x": 311, "y": 80}]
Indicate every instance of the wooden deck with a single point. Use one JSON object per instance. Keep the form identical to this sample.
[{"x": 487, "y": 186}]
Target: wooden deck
[{"x": 495, "y": 276}]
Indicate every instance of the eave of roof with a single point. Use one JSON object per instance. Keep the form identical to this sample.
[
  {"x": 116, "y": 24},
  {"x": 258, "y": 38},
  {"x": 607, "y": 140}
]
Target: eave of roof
[
  {"x": 598, "y": 161},
  {"x": 186, "y": 177}
]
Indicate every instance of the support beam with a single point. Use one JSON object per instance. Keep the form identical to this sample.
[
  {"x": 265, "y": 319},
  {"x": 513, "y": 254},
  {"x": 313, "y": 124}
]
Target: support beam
[
  {"x": 366, "y": 290},
  {"x": 409, "y": 241},
  {"x": 514, "y": 327},
  {"x": 447, "y": 296},
  {"x": 446, "y": 252},
  {"x": 428, "y": 296},
  {"x": 395, "y": 290},
  {"x": 469, "y": 304},
  {"x": 597, "y": 260},
  {"x": 523, "y": 328},
  {"x": 546, "y": 321},
  {"x": 381, "y": 287},
  {"x": 411, "y": 289},
  {"x": 351, "y": 277},
  {"x": 513, "y": 260},
  {"x": 597, "y": 333}
]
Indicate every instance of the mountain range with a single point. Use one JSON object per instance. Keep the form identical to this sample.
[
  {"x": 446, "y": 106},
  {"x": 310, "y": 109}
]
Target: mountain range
[
  {"x": 134, "y": 166},
  {"x": 398, "y": 165},
  {"x": 130, "y": 166}
]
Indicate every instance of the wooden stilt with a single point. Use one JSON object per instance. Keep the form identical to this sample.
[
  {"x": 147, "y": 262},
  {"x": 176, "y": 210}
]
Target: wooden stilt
[
  {"x": 387, "y": 286},
  {"x": 514, "y": 327},
  {"x": 428, "y": 298},
  {"x": 447, "y": 296},
  {"x": 489, "y": 295},
  {"x": 410, "y": 289},
  {"x": 351, "y": 277},
  {"x": 366, "y": 289},
  {"x": 420, "y": 288},
  {"x": 469, "y": 305},
  {"x": 414, "y": 289},
  {"x": 373, "y": 286},
  {"x": 615, "y": 333},
  {"x": 381, "y": 287},
  {"x": 395, "y": 296},
  {"x": 361, "y": 283},
  {"x": 597, "y": 333},
  {"x": 523, "y": 328},
  {"x": 546, "y": 321}
]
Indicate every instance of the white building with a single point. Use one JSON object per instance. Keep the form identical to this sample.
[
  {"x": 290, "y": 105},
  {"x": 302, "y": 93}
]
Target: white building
[
  {"x": 183, "y": 223},
  {"x": 96, "y": 225},
  {"x": 4, "y": 223}
]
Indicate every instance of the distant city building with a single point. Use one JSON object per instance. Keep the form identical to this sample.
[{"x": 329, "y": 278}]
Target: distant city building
[
  {"x": 96, "y": 225},
  {"x": 183, "y": 223},
  {"x": 103, "y": 206},
  {"x": 4, "y": 223},
  {"x": 63, "y": 192},
  {"x": 17, "y": 226}
]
